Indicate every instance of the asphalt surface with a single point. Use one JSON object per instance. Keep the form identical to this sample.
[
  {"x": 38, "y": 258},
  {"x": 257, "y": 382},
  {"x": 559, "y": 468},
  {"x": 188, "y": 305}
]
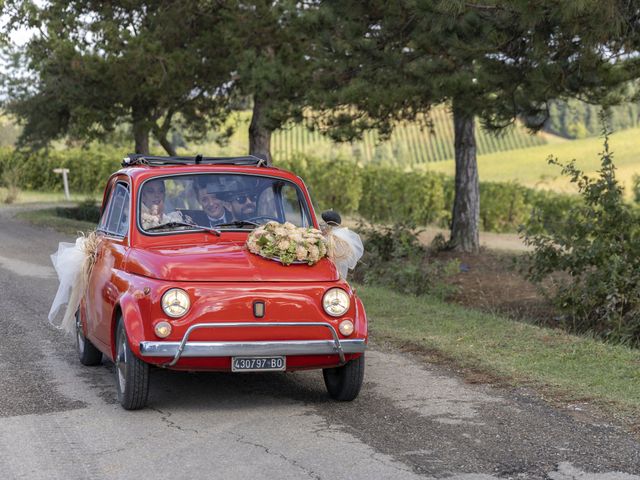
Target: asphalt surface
[{"x": 60, "y": 420}]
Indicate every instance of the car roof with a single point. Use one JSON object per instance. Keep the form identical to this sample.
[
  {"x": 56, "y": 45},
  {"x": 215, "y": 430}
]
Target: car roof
[
  {"x": 141, "y": 167},
  {"x": 157, "y": 161}
]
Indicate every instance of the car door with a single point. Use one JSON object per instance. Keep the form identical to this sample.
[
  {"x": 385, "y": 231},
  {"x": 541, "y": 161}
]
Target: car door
[{"x": 104, "y": 286}]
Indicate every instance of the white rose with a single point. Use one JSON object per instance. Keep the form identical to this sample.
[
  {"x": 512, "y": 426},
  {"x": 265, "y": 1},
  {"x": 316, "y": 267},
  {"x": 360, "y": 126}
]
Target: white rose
[{"x": 301, "y": 253}]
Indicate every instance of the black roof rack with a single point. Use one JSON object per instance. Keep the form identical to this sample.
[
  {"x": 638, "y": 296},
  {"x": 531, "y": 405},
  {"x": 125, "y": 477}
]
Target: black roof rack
[{"x": 154, "y": 161}]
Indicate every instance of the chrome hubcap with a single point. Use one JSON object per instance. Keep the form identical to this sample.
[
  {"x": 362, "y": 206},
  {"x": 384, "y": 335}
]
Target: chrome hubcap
[{"x": 121, "y": 362}]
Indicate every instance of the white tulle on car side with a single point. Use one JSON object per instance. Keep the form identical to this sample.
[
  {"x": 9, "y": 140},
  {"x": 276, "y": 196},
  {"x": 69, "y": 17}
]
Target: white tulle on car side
[
  {"x": 344, "y": 248},
  {"x": 73, "y": 263}
]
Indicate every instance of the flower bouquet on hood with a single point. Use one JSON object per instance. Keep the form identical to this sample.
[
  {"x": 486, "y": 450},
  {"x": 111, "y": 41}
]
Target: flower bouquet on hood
[{"x": 287, "y": 243}]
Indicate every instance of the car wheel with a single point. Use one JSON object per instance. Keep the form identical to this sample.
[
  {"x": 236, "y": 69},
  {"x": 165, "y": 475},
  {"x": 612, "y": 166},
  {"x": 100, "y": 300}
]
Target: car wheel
[
  {"x": 89, "y": 355},
  {"x": 343, "y": 383},
  {"x": 132, "y": 374}
]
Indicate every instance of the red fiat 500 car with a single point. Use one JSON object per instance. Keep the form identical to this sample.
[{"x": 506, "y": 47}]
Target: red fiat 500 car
[{"x": 174, "y": 285}]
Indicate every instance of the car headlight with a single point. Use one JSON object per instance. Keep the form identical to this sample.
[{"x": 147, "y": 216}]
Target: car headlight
[
  {"x": 336, "y": 302},
  {"x": 175, "y": 302}
]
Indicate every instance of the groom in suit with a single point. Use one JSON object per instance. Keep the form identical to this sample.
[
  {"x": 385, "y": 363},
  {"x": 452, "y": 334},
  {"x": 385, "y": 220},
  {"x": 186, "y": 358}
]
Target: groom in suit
[{"x": 209, "y": 195}]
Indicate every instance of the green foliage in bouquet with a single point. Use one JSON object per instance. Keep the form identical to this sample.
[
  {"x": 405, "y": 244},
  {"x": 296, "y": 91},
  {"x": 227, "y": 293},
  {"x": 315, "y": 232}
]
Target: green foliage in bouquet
[
  {"x": 287, "y": 243},
  {"x": 594, "y": 256}
]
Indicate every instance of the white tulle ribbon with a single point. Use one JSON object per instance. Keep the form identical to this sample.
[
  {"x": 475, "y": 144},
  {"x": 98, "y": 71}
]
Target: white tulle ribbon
[
  {"x": 344, "y": 248},
  {"x": 73, "y": 263}
]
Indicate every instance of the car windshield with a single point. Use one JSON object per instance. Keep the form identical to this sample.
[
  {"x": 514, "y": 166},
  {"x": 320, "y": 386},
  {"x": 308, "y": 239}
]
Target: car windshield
[{"x": 218, "y": 202}]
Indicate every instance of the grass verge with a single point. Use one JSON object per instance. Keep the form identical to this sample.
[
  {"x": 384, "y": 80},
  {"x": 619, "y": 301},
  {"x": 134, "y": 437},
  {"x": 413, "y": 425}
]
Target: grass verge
[
  {"x": 31, "y": 196},
  {"x": 48, "y": 218},
  {"x": 568, "y": 367}
]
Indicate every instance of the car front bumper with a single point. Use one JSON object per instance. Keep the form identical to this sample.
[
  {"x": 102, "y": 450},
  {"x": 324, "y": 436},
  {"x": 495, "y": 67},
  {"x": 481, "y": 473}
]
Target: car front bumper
[{"x": 185, "y": 348}]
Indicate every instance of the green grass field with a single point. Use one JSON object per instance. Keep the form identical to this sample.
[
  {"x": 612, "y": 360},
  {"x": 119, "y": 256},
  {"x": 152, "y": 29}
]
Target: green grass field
[
  {"x": 529, "y": 166},
  {"x": 30, "y": 196}
]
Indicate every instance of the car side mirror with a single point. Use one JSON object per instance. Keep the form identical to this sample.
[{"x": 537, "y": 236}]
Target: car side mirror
[{"x": 331, "y": 217}]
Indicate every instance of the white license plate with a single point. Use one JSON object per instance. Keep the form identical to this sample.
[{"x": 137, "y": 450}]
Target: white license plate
[{"x": 258, "y": 364}]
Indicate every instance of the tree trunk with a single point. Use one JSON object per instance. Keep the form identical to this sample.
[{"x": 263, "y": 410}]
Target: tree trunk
[
  {"x": 259, "y": 132},
  {"x": 160, "y": 133},
  {"x": 466, "y": 205},
  {"x": 167, "y": 145},
  {"x": 141, "y": 130}
]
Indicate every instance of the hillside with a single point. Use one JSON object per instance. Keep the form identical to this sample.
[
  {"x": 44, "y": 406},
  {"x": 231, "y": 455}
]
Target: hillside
[
  {"x": 513, "y": 156},
  {"x": 410, "y": 145},
  {"x": 529, "y": 166}
]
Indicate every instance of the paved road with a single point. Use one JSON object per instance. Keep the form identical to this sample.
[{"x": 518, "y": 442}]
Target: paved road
[{"x": 59, "y": 420}]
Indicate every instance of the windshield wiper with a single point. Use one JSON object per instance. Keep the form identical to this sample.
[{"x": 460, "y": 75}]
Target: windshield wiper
[
  {"x": 184, "y": 224},
  {"x": 238, "y": 223}
]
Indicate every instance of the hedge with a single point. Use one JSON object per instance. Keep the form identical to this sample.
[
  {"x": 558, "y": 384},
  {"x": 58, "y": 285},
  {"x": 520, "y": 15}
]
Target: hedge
[
  {"x": 376, "y": 193},
  {"x": 88, "y": 168}
]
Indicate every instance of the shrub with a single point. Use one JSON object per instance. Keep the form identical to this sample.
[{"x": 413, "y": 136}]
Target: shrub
[
  {"x": 635, "y": 188},
  {"x": 503, "y": 206},
  {"x": 88, "y": 168},
  {"x": 87, "y": 210},
  {"x": 390, "y": 195},
  {"x": 10, "y": 179},
  {"x": 377, "y": 193},
  {"x": 551, "y": 209},
  {"x": 334, "y": 184},
  {"x": 597, "y": 250},
  {"x": 394, "y": 257}
]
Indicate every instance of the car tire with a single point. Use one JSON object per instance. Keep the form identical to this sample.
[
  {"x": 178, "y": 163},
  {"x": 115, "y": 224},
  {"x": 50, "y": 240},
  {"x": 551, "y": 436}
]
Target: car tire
[
  {"x": 132, "y": 374},
  {"x": 88, "y": 354},
  {"x": 344, "y": 383}
]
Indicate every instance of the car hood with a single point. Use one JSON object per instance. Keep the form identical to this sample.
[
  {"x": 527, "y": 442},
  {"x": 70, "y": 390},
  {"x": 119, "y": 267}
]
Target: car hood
[{"x": 221, "y": 262}]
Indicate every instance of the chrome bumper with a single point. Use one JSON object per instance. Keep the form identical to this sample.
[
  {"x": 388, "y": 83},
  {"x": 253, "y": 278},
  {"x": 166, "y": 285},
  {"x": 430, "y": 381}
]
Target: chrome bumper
[{"x": 185, "y": 348}]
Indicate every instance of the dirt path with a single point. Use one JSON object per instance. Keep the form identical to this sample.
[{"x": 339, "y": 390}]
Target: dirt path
[{"x": 510, "y": 242}]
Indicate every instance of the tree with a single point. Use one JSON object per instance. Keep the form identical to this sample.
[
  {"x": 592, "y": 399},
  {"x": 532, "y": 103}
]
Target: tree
[
  {"x": 270, "y": 48},
  {"x": 95, "y": 65},
  {"x": 499, "y": 61}
]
